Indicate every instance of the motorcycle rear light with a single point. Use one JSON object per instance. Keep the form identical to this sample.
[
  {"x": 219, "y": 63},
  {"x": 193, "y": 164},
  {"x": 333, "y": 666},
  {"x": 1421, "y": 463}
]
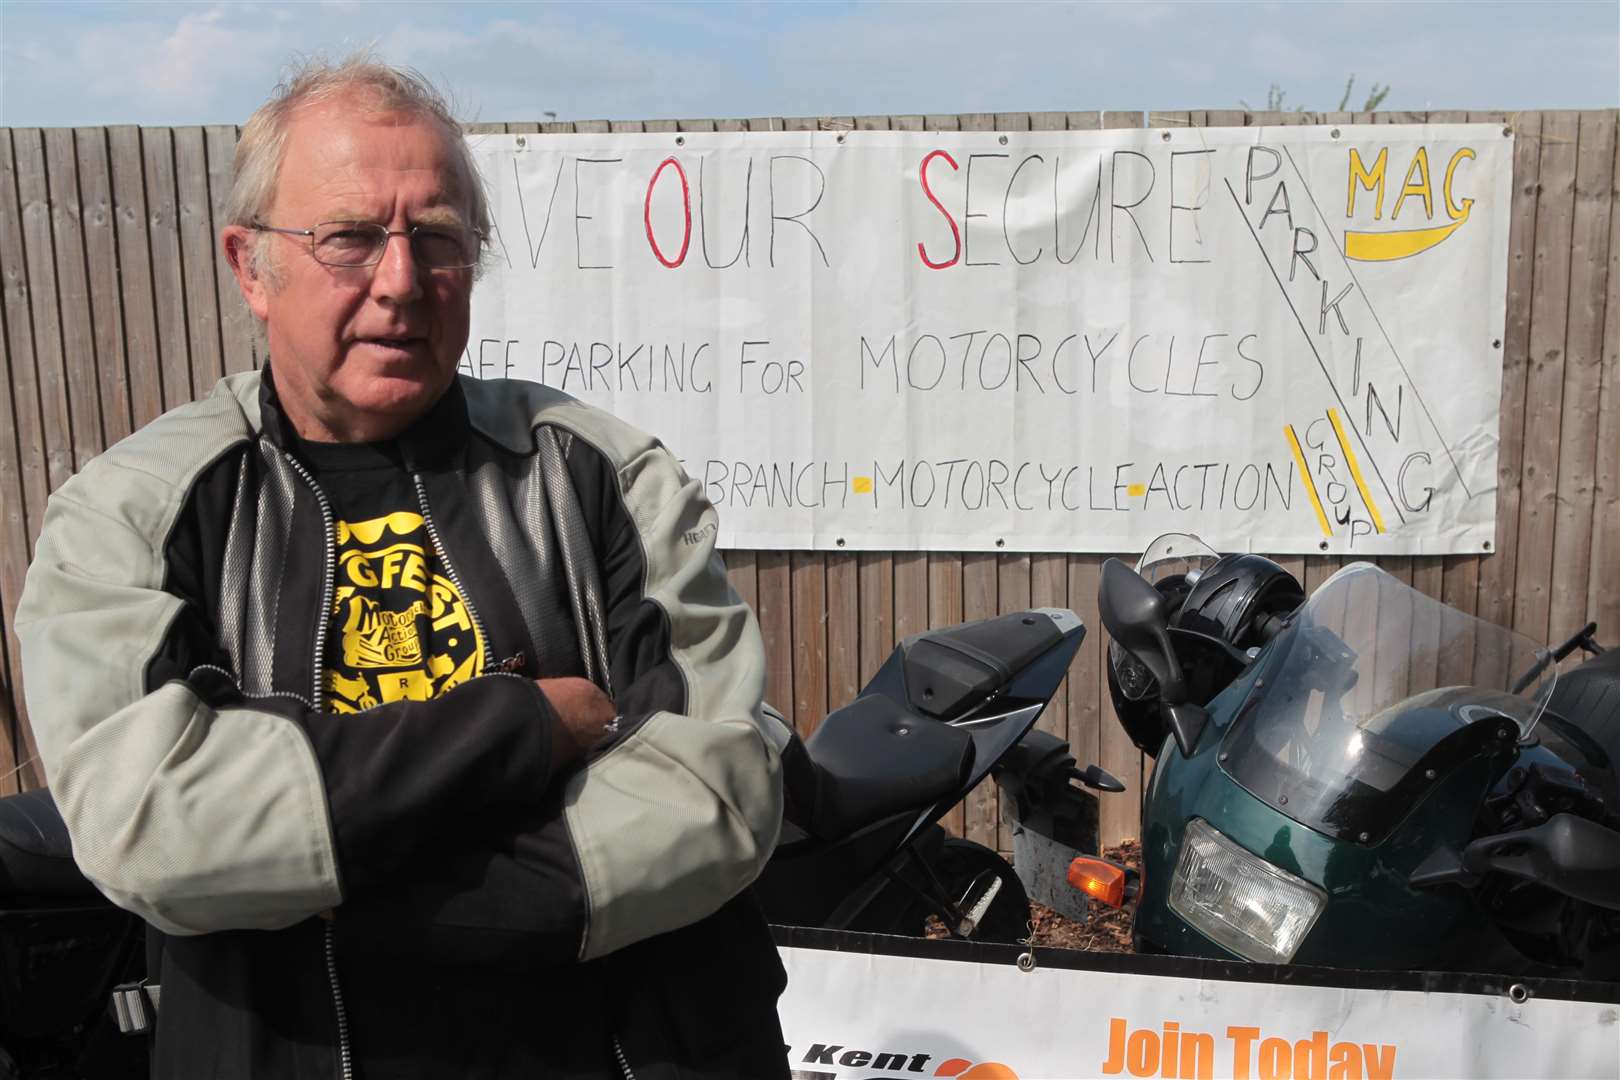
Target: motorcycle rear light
[
  {"x": 1240, "y": 901},
  {"x": 1098, "y": 879}
]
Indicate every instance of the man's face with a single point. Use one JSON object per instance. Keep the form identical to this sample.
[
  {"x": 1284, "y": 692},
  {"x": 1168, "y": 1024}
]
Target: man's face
[{"x": 359, "y": 352}]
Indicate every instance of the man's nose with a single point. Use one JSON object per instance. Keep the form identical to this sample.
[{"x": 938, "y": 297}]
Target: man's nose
[{"x": 397, "y": 277}]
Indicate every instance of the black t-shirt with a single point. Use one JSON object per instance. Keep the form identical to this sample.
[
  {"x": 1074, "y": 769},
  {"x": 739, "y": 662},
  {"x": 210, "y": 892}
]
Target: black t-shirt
[{"x": 398, "y": 627}]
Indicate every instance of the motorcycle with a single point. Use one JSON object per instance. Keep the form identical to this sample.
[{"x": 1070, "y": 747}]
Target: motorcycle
[
  {"x": 861, "y": 846},
  {"x": 1367, "y": 778}
]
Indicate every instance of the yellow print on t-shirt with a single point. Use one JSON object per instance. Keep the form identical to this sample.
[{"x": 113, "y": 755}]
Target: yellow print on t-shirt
[{"x": 399, "y": 630}]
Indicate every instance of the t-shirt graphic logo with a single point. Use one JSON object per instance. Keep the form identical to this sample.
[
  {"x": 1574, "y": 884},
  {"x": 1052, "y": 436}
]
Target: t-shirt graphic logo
[
  {"x": 375, "y": 638},
  {"x": 398, "y": 629}
]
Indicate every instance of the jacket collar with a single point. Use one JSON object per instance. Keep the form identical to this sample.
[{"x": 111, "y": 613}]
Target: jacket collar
[{"x": 433, "y": 441}]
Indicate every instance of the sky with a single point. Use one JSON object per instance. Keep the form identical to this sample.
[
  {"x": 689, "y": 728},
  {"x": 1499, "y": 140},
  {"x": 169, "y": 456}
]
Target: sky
[{"x": 65, "y": 63}]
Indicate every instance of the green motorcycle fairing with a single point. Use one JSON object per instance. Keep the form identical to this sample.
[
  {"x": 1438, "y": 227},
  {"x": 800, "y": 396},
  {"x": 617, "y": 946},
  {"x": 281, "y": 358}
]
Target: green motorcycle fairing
[{"x": 1373, "y": 917}]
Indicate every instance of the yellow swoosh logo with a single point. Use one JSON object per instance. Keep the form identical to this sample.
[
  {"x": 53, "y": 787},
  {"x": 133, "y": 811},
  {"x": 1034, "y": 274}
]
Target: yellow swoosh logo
[
  {"x": 403, "y": 523},
  {"x": 1399, "y": 244}
]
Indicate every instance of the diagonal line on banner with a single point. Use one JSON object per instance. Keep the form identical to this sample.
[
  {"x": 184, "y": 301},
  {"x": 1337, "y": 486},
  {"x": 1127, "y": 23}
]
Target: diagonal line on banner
[
  {"x": 1319, "y": 362},
  {"x": 1310, "y": 481},
  {"x": 1355, "y": 469},
  {"x": 1445, "y": 443}
]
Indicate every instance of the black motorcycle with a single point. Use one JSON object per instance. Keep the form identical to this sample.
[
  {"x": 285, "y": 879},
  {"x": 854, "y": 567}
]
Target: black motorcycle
[{"x": 861, "y": 846}]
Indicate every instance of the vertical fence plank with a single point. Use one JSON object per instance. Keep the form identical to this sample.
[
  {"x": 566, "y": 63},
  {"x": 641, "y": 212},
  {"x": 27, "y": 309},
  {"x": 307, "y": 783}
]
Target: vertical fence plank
[
  {"x": 1462, "y": 570},
  {"x": 809, "y": 585},
  {"x": 22, "y": 458},
  {"x": 775, "y": 611},
  {"x": 944, "y": 609},
  {"x": 1583, "y": 374},
  {"x": 1318, "y": 568},
  {"x": 1544, "y": 387},
  {"x": 49, "y": 374},
  {"x": 80, "y": 386},
  {"x": 911, "y": 593},
  {"x": 809, "y": 570},
  {"x": 979, "y": 588},
  {"x": 26, "y": 507},
  {"x": 1428, "y": 577},
  {"x": 843, "y": 629},
  {"x": 1049, "y": 588},
  {"x": 194, "y": 218},
  {"x": 1497, "y": 573},
  {"x": 1088, "y": 707},
  {"x": 1120, "y": 817},
  {"x": 1602, "y": 597},
  {"x": 168, "y": 282},
  {"x": 237, "y": 330},
  {"x": 894, "y": 585},
  {"x": 106, "y": 302},
  {"x": 1013, "y": 594},
  {"x": 877, "y": 611},
  {"x": 135, "y": 274},
  {"x": 743, "y": 575},
  {"x": 10, "y": 726}
]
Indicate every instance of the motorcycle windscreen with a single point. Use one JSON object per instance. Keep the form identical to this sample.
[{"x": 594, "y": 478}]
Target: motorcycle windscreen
[
  {"x": 1175, "y": 553},
  {"x": 1372, "y": 692}
]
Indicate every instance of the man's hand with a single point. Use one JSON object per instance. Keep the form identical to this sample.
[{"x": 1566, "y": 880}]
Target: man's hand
[{"x": 585, "y": 712}]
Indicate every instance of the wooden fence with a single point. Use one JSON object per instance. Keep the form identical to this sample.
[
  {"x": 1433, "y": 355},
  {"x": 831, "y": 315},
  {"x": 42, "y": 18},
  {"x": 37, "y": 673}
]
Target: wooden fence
[{"x": 117, "y": 306}]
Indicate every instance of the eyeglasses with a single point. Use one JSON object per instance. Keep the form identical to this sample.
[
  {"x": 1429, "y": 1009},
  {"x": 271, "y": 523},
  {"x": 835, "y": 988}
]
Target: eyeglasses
[{"x": 362, "y": 243}]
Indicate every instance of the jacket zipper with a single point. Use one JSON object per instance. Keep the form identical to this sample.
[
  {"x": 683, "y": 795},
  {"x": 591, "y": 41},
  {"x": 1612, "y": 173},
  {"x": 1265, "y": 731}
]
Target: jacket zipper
[
  {"x": 345, "y": 1058},
  {"x": 450, "y": 571},
  {"x": 328, "y": 575},
  {"x": 624, "y": 1063}
]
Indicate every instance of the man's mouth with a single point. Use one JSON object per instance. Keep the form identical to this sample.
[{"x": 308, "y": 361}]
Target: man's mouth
[{"x": 393, "y": 342}]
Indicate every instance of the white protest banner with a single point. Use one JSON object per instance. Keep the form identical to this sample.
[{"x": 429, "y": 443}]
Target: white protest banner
[
  {"x": 869, "y": 1016},
  {"x": 1284, "y": 339}
]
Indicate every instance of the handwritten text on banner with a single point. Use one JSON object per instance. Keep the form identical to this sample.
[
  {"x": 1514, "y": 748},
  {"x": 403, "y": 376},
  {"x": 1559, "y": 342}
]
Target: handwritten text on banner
[{"x": 1285, "y": 339}]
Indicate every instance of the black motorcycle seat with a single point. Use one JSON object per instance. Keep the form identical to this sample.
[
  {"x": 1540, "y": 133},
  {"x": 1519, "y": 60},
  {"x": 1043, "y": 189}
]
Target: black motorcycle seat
[
  {"x": 1588, "y": 696},
  {"x": 36, "y": 856},
  {"x": 874, "y": 758}
]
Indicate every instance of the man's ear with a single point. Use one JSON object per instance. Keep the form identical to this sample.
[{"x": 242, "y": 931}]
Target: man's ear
[{"x": 239, "y": 243}]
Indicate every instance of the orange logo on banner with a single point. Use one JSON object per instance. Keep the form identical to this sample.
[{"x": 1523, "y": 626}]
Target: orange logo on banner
[{"x": 963, "y": 1069}]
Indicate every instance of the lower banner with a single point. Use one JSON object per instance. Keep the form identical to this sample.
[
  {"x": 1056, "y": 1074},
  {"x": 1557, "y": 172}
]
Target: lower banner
[{"x": 863, "y": 1007}]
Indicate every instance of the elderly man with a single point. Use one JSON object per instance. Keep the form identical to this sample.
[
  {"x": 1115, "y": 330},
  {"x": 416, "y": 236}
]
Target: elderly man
[{"x": 321, "y": 668}]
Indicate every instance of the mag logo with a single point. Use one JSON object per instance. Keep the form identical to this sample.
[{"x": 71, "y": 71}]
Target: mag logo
[{"x": 1426, "y": 224}]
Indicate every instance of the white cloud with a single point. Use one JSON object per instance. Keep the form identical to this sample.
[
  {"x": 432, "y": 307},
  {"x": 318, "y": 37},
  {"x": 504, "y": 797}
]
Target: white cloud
[
  {"x": 511, "y": 70},
  {"x": 159, "y": 67}
]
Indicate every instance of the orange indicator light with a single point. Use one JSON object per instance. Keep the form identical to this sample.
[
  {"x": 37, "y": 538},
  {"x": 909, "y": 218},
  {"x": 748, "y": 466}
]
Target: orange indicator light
[{"x": 1099, "y": 879}]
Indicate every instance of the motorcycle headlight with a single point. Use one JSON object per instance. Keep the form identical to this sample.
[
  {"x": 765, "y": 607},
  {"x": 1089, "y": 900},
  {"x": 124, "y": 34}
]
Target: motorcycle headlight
[{"x": 1239, "y": 900}]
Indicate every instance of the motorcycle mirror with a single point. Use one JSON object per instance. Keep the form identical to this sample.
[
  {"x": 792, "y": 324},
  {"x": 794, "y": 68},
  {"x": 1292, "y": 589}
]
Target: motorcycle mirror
[
  {"x": 1097, "y": 778},
  {"x": 1186, "y": 722},
  {"x": 1573, "y": 855},
  {"x": 1134, "y": 613}
]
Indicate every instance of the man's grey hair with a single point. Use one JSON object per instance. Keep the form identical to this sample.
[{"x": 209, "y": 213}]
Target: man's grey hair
[{"x": 381, "y": 88}]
